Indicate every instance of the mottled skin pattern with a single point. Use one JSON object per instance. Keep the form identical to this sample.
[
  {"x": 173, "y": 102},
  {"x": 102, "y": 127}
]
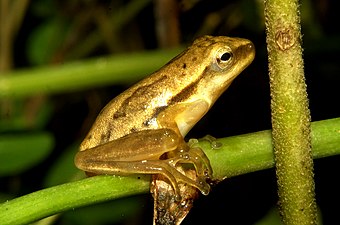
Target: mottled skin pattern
[
  {"x": 150, "y": 119},
  {"x": 183, "y": 79}
]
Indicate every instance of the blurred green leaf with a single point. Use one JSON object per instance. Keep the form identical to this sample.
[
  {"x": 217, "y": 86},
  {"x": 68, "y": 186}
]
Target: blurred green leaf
[
  {"x": 64, "y": 170},
  {"x": 19, "y": 120},
  {"x": 18, "y": 152},
  {"x": 44, "y": 8},
  {"x": 45, "y": 40}
]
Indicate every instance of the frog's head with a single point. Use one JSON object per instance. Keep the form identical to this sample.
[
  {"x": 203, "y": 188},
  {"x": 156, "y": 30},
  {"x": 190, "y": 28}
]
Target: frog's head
[
  {"x": 223, "y": 58},
  {"x": 204, "y": 70}
]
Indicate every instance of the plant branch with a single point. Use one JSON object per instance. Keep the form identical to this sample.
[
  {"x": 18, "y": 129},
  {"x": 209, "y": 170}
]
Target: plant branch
[
  {"x": 238, "y": 155},
  {"x": 290, "y": 113},
  {"x": 84, "y": 74}
]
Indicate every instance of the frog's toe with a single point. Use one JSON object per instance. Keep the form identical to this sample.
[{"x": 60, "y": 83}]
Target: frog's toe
[
  {"x": 201, "y": 162},
  {"x": 203, "y": 186},
  {"x": 207, "y": 173}
]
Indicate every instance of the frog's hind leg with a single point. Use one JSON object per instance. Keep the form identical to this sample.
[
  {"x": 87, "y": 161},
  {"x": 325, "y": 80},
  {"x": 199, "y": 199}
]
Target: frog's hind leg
[{"x": 145, "y": 167}]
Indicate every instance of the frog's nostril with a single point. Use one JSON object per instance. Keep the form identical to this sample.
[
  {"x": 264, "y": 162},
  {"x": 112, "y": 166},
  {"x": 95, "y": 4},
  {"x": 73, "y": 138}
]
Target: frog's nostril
[{"x": 250, "y": 47}]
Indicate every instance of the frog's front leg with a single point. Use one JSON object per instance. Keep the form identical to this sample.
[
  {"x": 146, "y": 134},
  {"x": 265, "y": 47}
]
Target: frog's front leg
[{"x": 141, "y": 152}]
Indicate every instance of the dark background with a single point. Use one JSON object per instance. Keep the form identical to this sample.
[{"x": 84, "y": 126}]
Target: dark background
[{"x": 244, "y": 108}]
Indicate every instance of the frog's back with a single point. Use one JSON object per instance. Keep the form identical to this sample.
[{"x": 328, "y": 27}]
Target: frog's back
[
  {"x": 136, "y": 108},
  {"x": 127, "y": 113},
  {"x": 184, "y": 79}
]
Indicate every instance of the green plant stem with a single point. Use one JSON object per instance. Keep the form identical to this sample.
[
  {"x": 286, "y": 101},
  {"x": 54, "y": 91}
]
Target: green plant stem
[
  {"x": 41, "y": 204},
  {"x": 74, "y": 76},
  {"x": 290, "y": 113},
  {"x": 238, "y": 155}
]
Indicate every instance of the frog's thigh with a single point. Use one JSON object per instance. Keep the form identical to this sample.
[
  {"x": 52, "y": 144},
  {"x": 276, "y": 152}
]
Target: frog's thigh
[
  {"x": 134, "y": 167},
  {"x": 138, "y": 146}
]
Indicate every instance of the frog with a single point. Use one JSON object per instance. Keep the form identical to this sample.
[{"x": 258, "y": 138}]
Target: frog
[{"x": 142, "y": 130}]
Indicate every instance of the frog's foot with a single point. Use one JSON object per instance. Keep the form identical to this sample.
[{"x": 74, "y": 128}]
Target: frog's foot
[
  {"x": 168, "y": 169},
  {"x": 197, "y": 156},
  {"x": 199, "y": 160},
  {"x": 194, "y": 156}
]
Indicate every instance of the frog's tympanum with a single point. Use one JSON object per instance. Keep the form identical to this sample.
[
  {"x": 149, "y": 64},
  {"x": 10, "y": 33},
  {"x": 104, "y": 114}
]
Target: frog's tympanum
[{"x": 141, "y": 130}]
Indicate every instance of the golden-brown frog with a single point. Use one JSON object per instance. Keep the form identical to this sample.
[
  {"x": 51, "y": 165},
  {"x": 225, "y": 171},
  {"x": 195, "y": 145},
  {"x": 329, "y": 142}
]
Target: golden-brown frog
[{"x": 142, "y": 129}]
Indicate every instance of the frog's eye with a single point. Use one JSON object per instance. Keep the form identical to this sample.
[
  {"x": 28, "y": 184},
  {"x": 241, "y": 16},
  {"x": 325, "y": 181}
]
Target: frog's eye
[{"x": 223, "y": 58}]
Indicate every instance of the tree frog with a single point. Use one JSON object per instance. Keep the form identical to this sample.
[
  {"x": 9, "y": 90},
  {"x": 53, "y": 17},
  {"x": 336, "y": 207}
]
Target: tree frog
[{"x": 142, "y": 130}]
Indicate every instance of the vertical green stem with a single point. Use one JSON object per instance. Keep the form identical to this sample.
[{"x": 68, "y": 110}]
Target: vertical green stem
[{"x": 290, "y": 113}]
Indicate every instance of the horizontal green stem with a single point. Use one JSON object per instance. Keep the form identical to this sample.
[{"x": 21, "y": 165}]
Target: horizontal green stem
[
  {"x": 238, "y": 155},
  {"x": 73, "y": 76},
  {"x": 252, "y": 152}
]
